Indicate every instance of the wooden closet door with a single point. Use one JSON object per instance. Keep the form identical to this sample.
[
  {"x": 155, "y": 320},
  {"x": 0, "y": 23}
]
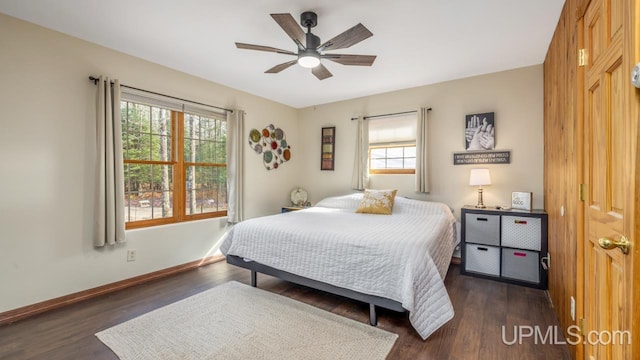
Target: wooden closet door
[{"x": 609, "y": 166}]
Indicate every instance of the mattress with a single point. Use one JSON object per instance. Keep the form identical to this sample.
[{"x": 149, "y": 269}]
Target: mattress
[{"x": 403, "y": 257}]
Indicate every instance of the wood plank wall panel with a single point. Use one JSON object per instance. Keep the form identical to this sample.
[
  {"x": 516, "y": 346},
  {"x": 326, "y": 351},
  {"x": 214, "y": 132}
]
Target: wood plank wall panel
[
  {"x": 632, "y": 14},
  {"x": 562, "y": 166}
]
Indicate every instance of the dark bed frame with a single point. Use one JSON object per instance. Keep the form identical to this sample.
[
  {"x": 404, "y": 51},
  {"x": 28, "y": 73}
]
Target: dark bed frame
[{"x": 372, "y": 300}]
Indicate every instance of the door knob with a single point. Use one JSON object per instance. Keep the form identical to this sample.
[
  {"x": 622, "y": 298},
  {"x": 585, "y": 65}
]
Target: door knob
[{"x": 607, "y": 244}]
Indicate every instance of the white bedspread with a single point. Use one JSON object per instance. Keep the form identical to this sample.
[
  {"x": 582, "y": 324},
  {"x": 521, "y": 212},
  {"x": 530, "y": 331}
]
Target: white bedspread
[{"x": 403, "y": 256}]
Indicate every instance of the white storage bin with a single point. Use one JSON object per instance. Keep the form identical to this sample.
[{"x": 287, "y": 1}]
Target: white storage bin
[
  {"x": 482, "y": 259},
  {"x": 521, "y": 232},
  {"x": 482, "y": 229},
  {"x": 521, "y": 265}
]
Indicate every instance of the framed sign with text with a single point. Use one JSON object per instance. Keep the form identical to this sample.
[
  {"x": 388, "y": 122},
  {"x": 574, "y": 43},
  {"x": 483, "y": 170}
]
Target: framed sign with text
[
  {"x": 485, "y": 157},
  {"x": 521, "y": 200}
]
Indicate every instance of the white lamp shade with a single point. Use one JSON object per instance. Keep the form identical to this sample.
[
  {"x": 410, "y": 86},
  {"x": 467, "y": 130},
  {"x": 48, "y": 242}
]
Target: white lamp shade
[{"x": 480, "y": 177}]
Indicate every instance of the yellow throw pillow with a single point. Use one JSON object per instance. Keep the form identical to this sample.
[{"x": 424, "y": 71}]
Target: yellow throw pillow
[{"x": 377, "y": 202}]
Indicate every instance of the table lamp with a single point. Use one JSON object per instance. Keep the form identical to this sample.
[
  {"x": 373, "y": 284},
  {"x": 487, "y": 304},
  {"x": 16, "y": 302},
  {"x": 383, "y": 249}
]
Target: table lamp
[{"x": 478, "y": 178}]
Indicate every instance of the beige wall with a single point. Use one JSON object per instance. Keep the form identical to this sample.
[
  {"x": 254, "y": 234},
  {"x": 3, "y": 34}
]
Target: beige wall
[
  {"x": 46, "y": 139},
  {"x": 47, "y": 147},
  {"x": 516, "y": 98}
]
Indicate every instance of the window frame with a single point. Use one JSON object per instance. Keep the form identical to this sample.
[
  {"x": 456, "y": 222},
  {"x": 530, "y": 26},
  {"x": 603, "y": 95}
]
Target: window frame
[
  {"x": 392, "y": 131},
  {"x": 179, "y": 173},
  {"x": 183, "y": 170},
  {"x": 398, "y": 171}
]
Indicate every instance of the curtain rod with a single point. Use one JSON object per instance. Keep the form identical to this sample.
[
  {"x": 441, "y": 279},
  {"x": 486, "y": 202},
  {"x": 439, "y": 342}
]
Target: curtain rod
[
  {"x": 95, "y": 82},
  {"x": 383, "y": 115}
]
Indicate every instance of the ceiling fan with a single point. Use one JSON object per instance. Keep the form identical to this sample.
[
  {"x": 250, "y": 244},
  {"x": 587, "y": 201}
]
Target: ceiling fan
[{"x": 310, "y": 51}]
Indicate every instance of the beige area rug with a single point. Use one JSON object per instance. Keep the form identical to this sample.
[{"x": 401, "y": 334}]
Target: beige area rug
[{"x": 236, "y": 321}]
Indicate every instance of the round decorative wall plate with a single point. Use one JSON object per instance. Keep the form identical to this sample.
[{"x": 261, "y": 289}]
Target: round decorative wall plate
[
  {"x": 298, "y": 196},
  {"x": 272, "y": 144}
]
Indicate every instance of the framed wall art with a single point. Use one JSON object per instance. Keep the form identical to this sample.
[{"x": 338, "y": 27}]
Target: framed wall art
[
  {"x": 328, "y": 148},
  {"x": 271, "y": 143},
  {"x": 479, "y": 132}
]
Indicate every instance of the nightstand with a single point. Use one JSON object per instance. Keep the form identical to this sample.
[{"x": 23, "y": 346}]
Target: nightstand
[
  {"x": 505, "y": 245},
  {"x": 286, "y": 209}
]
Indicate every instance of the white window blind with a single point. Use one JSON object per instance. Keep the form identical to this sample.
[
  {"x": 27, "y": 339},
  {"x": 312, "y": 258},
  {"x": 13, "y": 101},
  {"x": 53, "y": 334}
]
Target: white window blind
[{"x": 397, "y": 129}]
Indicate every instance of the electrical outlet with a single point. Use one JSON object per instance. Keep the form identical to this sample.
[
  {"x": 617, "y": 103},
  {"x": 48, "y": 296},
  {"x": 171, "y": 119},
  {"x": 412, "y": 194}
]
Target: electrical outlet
[
  {"x": 573, "y": 308},
  {"x": 131, "y": 255}
]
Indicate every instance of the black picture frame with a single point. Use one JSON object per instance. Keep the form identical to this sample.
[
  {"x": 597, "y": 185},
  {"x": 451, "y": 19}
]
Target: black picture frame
[
  {"x": 328, "y": 148},
  {"x": 480, "y": 132}
]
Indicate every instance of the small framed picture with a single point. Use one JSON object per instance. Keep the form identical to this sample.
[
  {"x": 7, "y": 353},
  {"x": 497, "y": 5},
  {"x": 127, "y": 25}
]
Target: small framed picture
[
  {"x": 521, "y": 200},
  {"x": 479, "y": 132},
  {"x": 328, "y": 149}
]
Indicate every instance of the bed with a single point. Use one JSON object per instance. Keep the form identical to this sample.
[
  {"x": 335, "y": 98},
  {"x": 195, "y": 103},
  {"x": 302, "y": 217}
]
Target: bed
[{"x": 395, "y": 261}]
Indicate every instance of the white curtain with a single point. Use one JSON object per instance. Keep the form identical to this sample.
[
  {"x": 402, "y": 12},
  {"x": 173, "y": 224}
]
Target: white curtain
[
  {"x": 235, "y": 146},
  {"x": 109, "y": 212},
  {"x": 422, "y": 167},
  {"x": 360, "y": 178}
]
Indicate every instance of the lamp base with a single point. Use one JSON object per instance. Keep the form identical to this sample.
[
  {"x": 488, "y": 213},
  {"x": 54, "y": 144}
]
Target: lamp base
[{"x": 480, "y": 204}]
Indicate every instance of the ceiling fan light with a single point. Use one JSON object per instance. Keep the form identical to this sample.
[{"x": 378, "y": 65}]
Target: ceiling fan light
[{"x": 309, "y": 60}]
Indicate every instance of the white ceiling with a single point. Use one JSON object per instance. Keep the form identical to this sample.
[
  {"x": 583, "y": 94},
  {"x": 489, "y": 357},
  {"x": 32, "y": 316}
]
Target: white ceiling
[{"x": 418, "y": 42}]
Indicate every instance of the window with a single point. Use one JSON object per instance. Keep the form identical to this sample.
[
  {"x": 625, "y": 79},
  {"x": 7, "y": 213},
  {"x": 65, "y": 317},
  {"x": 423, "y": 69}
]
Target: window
[
  {"x": 392, "y": 144},
  {"x": 174, "y": 162},
  {"x": 397, "y": 159},
  {"x": 205, "y": 165}
]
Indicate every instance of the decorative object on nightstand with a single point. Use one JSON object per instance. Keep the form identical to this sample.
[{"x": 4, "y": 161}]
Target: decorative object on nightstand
[
  {"x": 505, "y": 245},
  {"x": 298, "y": 197},
  {"x": 478, "y": 178},
  {"x": 521, "y": 200},
  {"x": 298, "y": 201}
]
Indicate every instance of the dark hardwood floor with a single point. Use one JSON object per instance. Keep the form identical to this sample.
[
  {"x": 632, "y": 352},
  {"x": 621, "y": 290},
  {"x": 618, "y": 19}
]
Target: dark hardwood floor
[{"x": 482, "y": 307}]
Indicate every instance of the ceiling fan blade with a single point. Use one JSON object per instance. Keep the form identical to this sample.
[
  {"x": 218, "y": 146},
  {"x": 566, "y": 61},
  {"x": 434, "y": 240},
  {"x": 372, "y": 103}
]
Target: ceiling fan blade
[
  {"x": 347, "y": 38},
  {"x": 359, "y": 60},
  {"x": 263, "y": 48},
  {"x": 321, "y": 72},
  {"x": 276, "y": 69},
  {"x": 291, "y": 27}
]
